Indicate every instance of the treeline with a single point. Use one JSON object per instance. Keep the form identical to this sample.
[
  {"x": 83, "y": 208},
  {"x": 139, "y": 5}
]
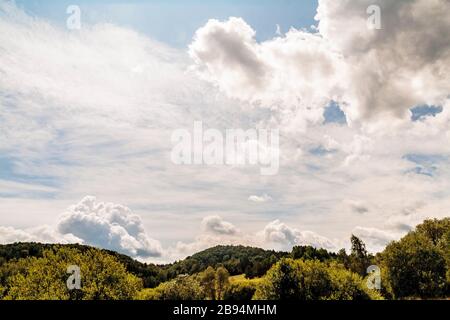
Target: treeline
[{"x": 416, "y": 266}]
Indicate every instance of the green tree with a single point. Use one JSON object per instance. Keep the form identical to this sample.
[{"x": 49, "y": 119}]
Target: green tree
[
  {"x": 208, "y": 282},
  {"x": 222, "y": 282},
  {"x": 343, "y": 258},
  {"x": 434, "y": 229},
  {"x": 359, "y": 259},
  {"x": 295, "y": 280},
  {"x": 347, "y": 285},
  {"x": 182, "y": 288},
  {"x": 240, "y": 291},
  {"x": 415, "y": 267}
]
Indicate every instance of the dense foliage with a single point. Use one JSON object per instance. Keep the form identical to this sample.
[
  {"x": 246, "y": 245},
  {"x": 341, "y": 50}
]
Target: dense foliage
[{"x": 36, "y": 278}]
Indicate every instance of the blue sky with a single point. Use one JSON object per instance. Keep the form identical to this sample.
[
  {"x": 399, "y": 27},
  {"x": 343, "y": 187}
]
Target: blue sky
[{"x": 175, "y": 21}]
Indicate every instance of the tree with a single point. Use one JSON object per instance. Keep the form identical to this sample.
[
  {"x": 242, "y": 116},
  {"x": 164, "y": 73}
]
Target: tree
[
  {"x": 415, "y": 267},
  {"x": 444, "y": 246},
  {"x": 208, "y": 282},
  {"x": 182, "y": 288},
  {"x": 149, "y": 294},
  {"x": 241, "y": 290},
  {"x": 222, "y": 282},
  {"x": 295, "y": 280},
  {"x": 343, "y": 258},
  {"x": 347, "y": 285},
  {"x": 359, "y": 259},
  {"x": 434, "y": 229},
  {"x": 102, "y": 277}
]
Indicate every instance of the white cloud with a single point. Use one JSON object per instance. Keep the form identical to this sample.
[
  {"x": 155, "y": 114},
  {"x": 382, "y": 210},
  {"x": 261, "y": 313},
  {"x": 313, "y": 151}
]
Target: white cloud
[
  {"x": 376, "y": 239},
  {"x": 372, "y": 73},
  {"x": 228, "y": 50},
  {"x": 109, "y": 226},
  {"x": 404, "y": 64},
  {"x": 263, "y": 198},
  {"x": 279, "y": 233},
  {"x": 100, "y": 224},
  {"x": 43, "y": 234},
  {"x": 216, "y": 225},
  {"x": 296, "y": 72}
]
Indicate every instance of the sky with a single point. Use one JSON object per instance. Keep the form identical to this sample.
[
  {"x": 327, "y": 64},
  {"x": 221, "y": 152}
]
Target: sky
[
  {"x": 88, "y": 116},
  {"x": 175, "y": 22}
]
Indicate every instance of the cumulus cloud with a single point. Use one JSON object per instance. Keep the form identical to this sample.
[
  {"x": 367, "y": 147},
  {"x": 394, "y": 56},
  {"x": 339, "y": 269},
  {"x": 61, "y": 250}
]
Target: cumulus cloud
[
  {"x": 390, "y": 70},
  {"x": 370, "y": 72},
  {"x": 101, "y": 224},
  {"x": 229, "y": 51},
  {"x": 216, "y": 225},
  {"x": 110, "y": 226},
  {"x": 278, "y": 232},
  {"x": 227, "y": 54}
]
